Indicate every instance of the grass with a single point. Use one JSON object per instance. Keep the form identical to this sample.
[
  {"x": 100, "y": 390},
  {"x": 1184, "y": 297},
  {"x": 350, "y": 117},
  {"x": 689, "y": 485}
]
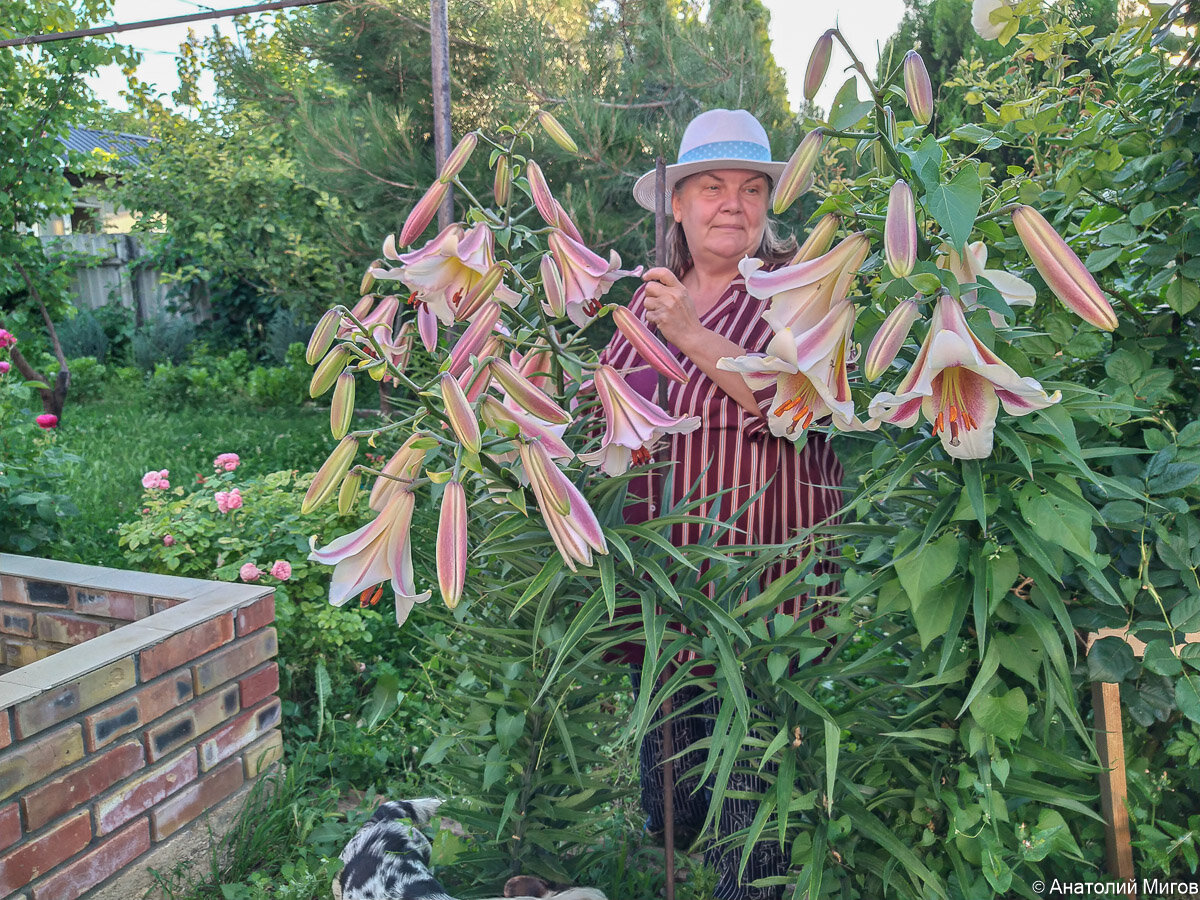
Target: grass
[{"x": 119, "y": 439}]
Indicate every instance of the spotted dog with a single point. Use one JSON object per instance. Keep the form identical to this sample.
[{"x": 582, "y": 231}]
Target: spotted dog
[{"x": 388, "y": 859}]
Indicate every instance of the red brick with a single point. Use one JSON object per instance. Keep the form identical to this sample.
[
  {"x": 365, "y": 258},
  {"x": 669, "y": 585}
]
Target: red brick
[
  {"x": 93, "y": 867},
  {"x": 244, "y": 730},
  {"x": 230, "y": 662},
  {"x": 16, "y": 620},
  {"x": 12, "y": 589},
  {"x": 159, "y": 604},
  {"x": 81, "y": 784},
  {"x": 204, "y": 715},
  {"x": 185, "y": 646},
  {"x": 205, "y": 794},
  {"x": 112, "y": 604},
  {"x": 259, "y": 613},
  {"x": 60, "y": 703},
  {"x": 263, "y": 753},
  {"x": 39, "y": 856},
  {"x": 259, "y": 685},
  {"x": 141, "y": 708},
  {"x": 68, "y": 628},
  {"x": 31, "y": 761},
  {"x": 10, "y": 825},
  {"x": 5, "y": 729},
  {"x": 141, "y": 793}
]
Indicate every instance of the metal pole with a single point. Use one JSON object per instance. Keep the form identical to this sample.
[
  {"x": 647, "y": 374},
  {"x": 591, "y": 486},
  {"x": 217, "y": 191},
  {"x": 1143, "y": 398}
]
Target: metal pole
[
  {"x": 668, "y": 736},
  {"x": 439, "y": 60}
]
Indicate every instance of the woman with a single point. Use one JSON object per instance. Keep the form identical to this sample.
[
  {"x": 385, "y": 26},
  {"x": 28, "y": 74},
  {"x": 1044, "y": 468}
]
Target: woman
[{"x": 719, "y": 194}]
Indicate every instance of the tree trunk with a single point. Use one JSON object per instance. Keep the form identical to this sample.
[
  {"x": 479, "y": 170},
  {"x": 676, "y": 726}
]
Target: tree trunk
[{"x": 53, "y": 397}]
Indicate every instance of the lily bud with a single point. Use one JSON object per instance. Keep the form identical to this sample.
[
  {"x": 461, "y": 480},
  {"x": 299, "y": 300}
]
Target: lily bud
[
  {"x": 427, "y": 327},
  {"x": 900, "y": 230},
  {"x": 368, "y": 281},
  {"x": 461, "y": 416},
  {"x": 819, "y": 239},
  {"x": 545, "y": 477},
  {"x": 480, "y": 293},
  {"x": 818, "y": 65},
  {"x": 329, "y": 476},
  {"x": 422, "y": 214},
  {"x": 341, "y": 409},
  {"x": 889, "y": 339},
  {"x": 452, "y": 544},
  {"x": 458, "y": 157},
  {"x": 474, "y": 337},
  {"x": 797, "y": 174},
  {"x": 552, "y": 284},
  {"x": 348, "y": 492},
  {"x": 1063, "y": 271},
  {"x": 649, "y": 347},
  {"x": 405, "y": 464},
  {"x": 322, "y": 336},
  {"x": 556, "y": 132},
  {"x": 917, "y": 87},
  {"x": 502, "y": 182},
  {"x": 329, "y": 369},
  {"x": 539, "y": 190},
  {"x": 363, "y": 306},
  {"x": 475, "y": 381},
  {"x": 526, "y": 395}
]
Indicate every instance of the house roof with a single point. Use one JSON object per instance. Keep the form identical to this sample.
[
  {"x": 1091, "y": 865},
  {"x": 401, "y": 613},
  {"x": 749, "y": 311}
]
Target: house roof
[{"x": 125, "y": 146}]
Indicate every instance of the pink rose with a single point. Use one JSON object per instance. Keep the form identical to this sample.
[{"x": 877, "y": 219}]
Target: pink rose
[
  {"x": 281, "y": 570},
  {"x": 156, "y": 481},
  {"x": 250, "y": 572},
  {"x": 47, "y": 421},
  {"x": 7, "y": 339},
  {"x": 227, "y": 501},
  {"x": 168, "y": 540},
  {"x": 5, "y": 365},
  {"x": 226, "y": 462}
]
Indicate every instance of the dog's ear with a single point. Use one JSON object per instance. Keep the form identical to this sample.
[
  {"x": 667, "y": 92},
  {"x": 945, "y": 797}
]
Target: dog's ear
[
  {"x": 526, "y": 886},
  {"x": 423, "y": 809}
]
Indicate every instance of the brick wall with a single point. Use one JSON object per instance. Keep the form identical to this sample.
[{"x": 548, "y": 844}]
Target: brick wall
[{"x": 113, "y": 745}]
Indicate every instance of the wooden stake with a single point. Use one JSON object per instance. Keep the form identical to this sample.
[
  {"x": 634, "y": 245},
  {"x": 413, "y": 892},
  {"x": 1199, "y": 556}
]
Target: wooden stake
[{"x": 439, "y": 62}]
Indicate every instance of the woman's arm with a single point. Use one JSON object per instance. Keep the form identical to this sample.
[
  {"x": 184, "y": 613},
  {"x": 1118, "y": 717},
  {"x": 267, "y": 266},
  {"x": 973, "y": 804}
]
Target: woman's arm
[{"x": 669, "y": 307}]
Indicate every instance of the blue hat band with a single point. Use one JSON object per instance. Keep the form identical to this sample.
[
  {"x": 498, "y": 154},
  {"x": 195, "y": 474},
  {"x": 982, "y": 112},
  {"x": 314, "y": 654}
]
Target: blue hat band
[{"x": 747, "y": 150}]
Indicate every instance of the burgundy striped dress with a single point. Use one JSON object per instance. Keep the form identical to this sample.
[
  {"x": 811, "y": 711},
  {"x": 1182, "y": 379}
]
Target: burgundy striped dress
[{"x": 738, "y": 448}]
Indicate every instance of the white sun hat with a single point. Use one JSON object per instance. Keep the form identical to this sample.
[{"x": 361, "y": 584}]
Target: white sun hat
[{"x": 717, "y": 139}]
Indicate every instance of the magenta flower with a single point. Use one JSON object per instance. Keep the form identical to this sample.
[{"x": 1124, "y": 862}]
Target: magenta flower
[
  {"x": 4, "y": 366},
  {"x": 156, "y": 481},
  {"x": 226, "y": 462},
  {"x": 281, "y": 570},
  {"x": 632, "y": 425},
  {"x": 227, "y": 501},
  {"x": 250, "y": 572},
  {"x": 7, "y": 339},
  {"x": 168, "y": 540},
  {"x": 46, "y": 421},
  {"x": 377, "y": 552}
]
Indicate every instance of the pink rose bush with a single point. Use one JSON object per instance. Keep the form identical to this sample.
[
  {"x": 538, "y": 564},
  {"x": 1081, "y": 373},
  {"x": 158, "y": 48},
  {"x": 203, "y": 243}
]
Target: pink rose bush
[
  {"x": 5, "y": 365},
  {"x": 156, "y": 481},
  {"x": 46, "y": 421},
  {"x": 282, "y": 569},
  {"x": 250, "y": 572},
  {"x": 228, "y": 501},
  {"x": 7, "y": 339},
  {"x": 226, "y": 462}
]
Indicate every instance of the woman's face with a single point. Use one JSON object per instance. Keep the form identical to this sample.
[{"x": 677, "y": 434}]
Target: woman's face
[{"x": 723, "y": 213}]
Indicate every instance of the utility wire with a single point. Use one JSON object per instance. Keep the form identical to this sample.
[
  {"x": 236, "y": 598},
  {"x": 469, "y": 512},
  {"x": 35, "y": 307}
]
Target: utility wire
[{"x": 154, "y": 23}]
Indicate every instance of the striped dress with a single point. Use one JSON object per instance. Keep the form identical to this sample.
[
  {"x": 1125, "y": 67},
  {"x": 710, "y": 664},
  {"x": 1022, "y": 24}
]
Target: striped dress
[{"x": 738, "y": 448}]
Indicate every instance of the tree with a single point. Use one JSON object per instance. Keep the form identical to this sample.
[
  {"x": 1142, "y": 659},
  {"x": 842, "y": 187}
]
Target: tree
[{"x": 42, "y": 92}]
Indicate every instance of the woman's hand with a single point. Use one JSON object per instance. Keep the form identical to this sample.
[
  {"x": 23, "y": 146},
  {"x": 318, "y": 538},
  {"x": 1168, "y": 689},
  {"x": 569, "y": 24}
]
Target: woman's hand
[{"x": 669, "y": 307}]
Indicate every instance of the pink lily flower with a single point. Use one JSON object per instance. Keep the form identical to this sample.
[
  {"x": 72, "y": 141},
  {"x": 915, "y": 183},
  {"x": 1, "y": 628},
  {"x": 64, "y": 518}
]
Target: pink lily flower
[
  {"x": 968, "y": 267},
  {"x": 810, "y": 375},
  {"x": 586, "y": 277},
  {"x": 443, "y": 271},
  {"x": 957, "y": 383},
  {"x": 803, "y": 294},
  {"x": 572, "y": 524},
  {"x": 379, "y": 551},
  {"x": 633, "y": 425}
]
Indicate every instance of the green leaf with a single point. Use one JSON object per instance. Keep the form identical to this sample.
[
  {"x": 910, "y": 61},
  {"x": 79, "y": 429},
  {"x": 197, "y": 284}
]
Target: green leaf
[
  {"x": 926, "y": 161},
  {"x": 923, "y": 575},
  {"x": 1110, "y": 660},
  {"x": 1119, "y": 233},
  {"x": 847, "y": 109},
  {"x": 973, "y": 483},
  {"x": 1101, "y": 259},
  {"x": 1187, "y": 699},
  {"x": 1183, "y": 295},
  {"x": 833, "y": 737},
  {"x": 955, "y": 205},
  {"x": 509, "y": 727},
  {"x": 1003, "y": 717},
  {"x": 1161, "y": 659}
]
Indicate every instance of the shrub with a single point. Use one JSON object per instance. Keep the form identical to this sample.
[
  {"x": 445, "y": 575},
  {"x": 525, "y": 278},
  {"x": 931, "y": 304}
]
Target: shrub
[
  {"x": 161, "y": 340},
  {"x": 83, "y": 335}
]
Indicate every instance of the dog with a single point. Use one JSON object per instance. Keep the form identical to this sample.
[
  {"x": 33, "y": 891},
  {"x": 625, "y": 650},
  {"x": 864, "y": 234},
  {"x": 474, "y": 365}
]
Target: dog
[{"x": 388, "y": 859}]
